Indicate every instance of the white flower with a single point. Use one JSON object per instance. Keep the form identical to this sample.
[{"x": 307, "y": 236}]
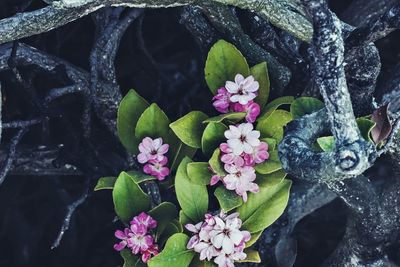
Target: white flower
[
  {"x": 241, "y": 180},
  {"x": 242, "y": 90},
  {"x": 242, "y": 138},
  {"x": 226, "y": 234}
]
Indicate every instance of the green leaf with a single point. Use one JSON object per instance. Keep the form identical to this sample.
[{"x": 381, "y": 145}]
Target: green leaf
[
  {"x": 170, "y": 230},
  {"x": 174, "y": 253},
  {"x": 366, "y": 126},
  {"x": 271, "y": 142},
  {"x": 129, "y": 111},
  {"x": 260, "y": 74},
  {"x": 153, "y": 123},
  {"x": 265, "y": 207},
  {"x": 180, "y": 152},
  {"x": 232, "y": 116},
  {"x": 196, "y": 262},
  {"x": 271, "y": 165},
  {"x": 192, "y": 198},
  {"x": 271, "y": 179},
  {"x": 105, "y": 183},
  {"x": 254, "y": 238},
  {"x": 189, "y": 128},
  {"x": 272, "y": 126},
  {"x": 129, "y": 199},
  {"x": 140, "y": 177},
  {"x": 199, "y": 173},
  {"x": 224, "y": 61},
  {"x": 213, "y": 135},
  {"x": 131, "y": 260},
  {"x": 276, "y": 103},
  {"x": 305, "y": 105},
  {"x": 228, "y": 200},
  {"x": 326, "y": 143},
  {"x": 252, "y": 256},
  {"x": 215, "y": 163},
  {"x": 163, "y": 214},
  {"x": 183, "y": 218}
]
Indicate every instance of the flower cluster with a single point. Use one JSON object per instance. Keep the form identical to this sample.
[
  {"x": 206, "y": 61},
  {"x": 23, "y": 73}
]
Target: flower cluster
[
  {"x": 219, "y": 236},
  {"x": 152, "y": 154},
  {"x": 240, "y": 153},
  {"x": 138, "y": 238},
  {"x": 238, "y": 96}
]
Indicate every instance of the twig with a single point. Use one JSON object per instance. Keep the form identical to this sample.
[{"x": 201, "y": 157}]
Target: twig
[
  {"x": 11, "y": 154},
  {"x": 70, "y": 212}
]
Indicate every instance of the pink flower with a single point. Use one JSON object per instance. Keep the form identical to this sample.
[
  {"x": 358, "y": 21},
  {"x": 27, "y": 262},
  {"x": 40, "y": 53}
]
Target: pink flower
[
  {"x": 224, "y": 260},
  {"x": 226, "y": 234},
  {"x": 219, "y": 237},
  {"x": 123, "y": 235},
  {"x": 228, "y": 157},
  {"x": 221, "y": 100},
  {"x": 215, "y": 179},
  {"x": 144, "y": 219},
  {"x": 157, "y": 169},
  {"x": 153, "y": 250},
  {"x": 242, "y": 90},
  {"x": 137, "y": 237},
  {"x": 251, "y": 108},
  {"x": 152, "y": 150},
  {"x": 195, "y": 239},
  {"x": 242, "y": 138},
  {"x": 259, "y": 155},
  {"x": 241, "y": 180},
  {"x": 206, "y": 250},
  {"x": 140, "y": 243}
]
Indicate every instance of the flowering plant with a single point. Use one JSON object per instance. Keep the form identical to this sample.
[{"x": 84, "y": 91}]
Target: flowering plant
[{"x": 219, "y": 204}]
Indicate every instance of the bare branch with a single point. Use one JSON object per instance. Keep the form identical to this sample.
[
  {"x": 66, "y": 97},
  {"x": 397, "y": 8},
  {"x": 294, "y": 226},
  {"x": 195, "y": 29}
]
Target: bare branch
[{"x": 7, "y": 163}]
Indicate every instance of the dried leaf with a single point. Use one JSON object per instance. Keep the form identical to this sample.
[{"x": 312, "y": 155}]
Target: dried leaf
[{"x": 383, "y": 128}]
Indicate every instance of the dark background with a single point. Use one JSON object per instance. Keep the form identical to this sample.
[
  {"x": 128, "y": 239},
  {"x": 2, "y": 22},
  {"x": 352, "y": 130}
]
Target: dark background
[{"x": 160, "y": 59}]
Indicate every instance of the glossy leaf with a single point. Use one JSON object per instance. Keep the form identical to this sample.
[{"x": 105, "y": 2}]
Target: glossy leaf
[
  {"x": 174, "y": 253},
  {"x": 192, "y": 198},
  {"x": 131, "y": 260},
  {"x": 183, "y": 218},
  {"x": 153, "y": 123},
  {"x": 252, "y": 256},
  {"x": 272, "y": 164},
  {"x": 199, "y": 172},
  {"x": 213, "y": 135},
  {"x": 326, "y": 143},
  {"x": 216, "y": 164},
  {"x": 196, "y": 262},
  {"x": 224, "y": 61},
  {"x": 276, "y": 103},
  {"x": 254, "y": 238},
  {"x": 129, "y": 199},
  {"x": 232, "y": 116},
  {"x": 260, "y": 74},
  {"x": 105, "y": 183},
  {"x": 272, "y": 126},
  {"x": 366, "y": 126},
  {"x": 169, "y": 231},
  {"x": 228, "y": 200},
  {"x": 163, "y": 214},
  {"x": 265, "y": 207},
  {"x": 180, "y": 153},
  {"x": 305, "y": 105},
  {"x": 140, "y": 177},
  {"x": 271, "y": 179},
  {"x": 130, "y": 109},
  {"x": 189, "y": 128}
]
